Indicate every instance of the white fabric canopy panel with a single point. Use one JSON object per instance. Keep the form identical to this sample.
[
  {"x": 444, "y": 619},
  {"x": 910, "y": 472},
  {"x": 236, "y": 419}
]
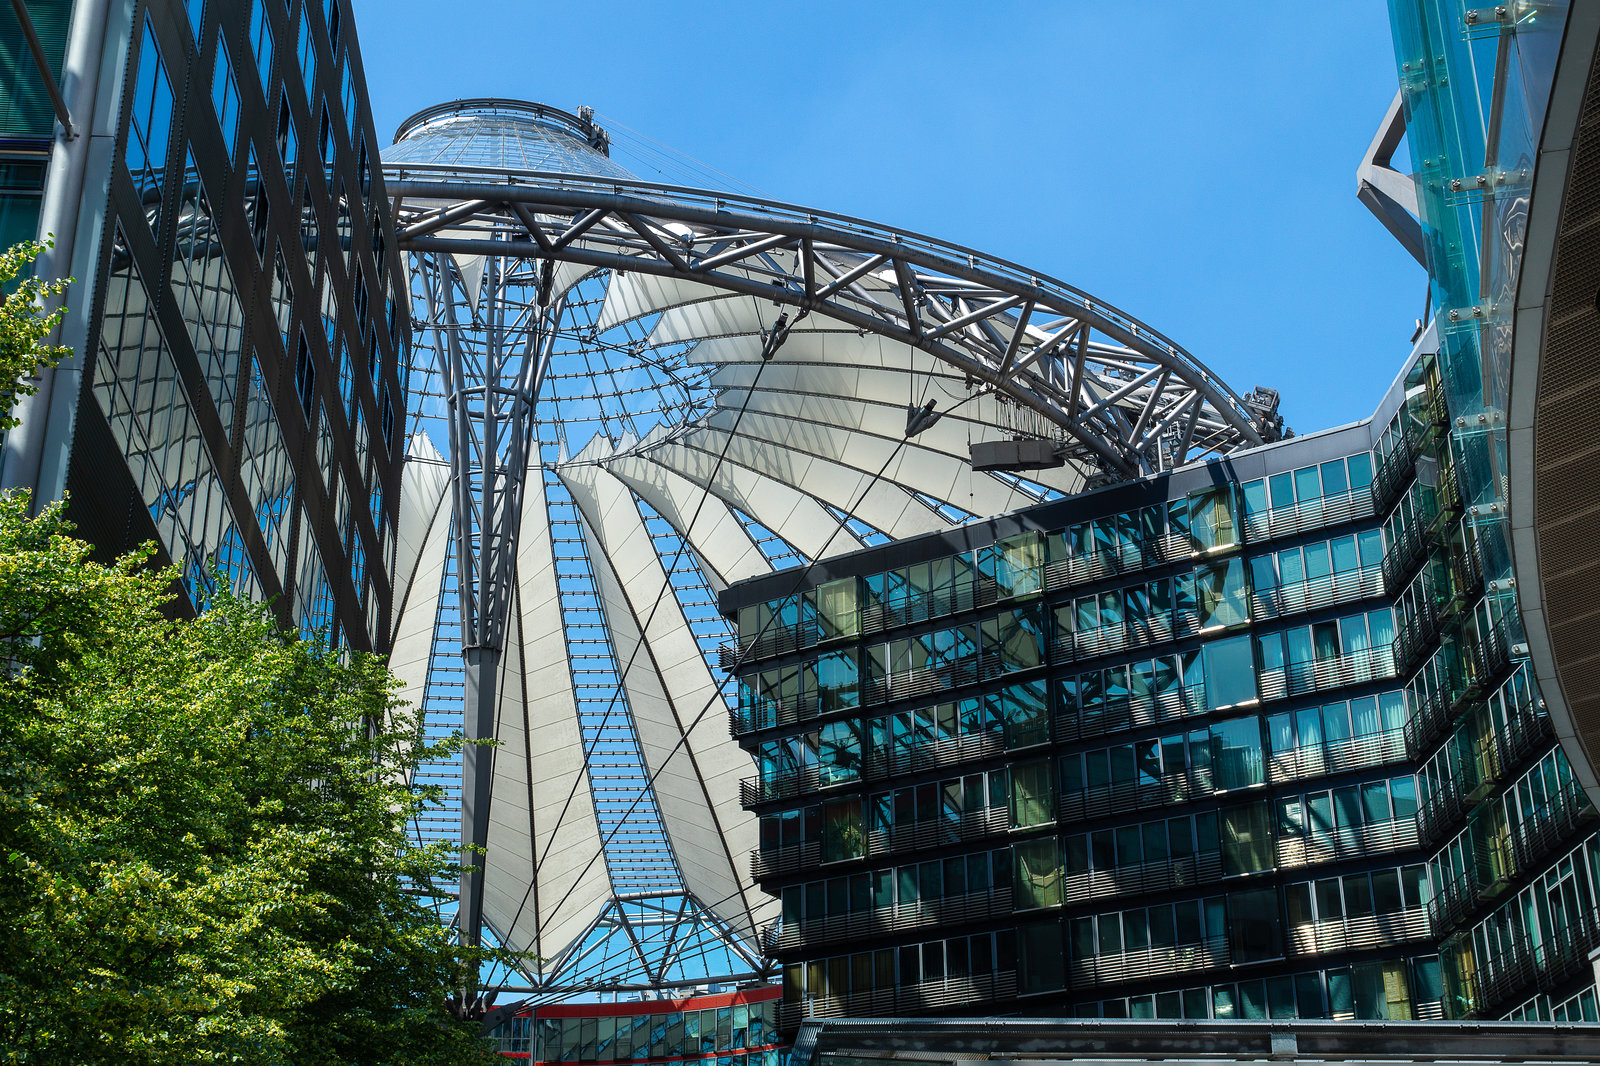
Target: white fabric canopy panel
[
  {"x": 678, "y": 711},
  {"x": 546, "y": 878}
]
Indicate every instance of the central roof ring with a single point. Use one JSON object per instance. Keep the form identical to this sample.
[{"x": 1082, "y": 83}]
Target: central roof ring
[{"x": 581, "y": 124}]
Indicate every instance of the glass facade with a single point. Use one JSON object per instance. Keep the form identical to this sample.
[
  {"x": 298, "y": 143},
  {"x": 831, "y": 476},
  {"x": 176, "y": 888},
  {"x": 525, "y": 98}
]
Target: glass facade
[
  {"x": 1513, "y": 856},
  {"x": 1157, "y": 736},
  {"x": 1163, "y": 751},
  {"x": 190, "y": 432},
  {"x": 733, "y": 1029}
]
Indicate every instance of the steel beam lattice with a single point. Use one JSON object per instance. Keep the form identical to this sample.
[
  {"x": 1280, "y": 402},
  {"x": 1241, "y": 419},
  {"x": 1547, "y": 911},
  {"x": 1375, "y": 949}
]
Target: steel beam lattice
[{"x": 1120, "y": 396}]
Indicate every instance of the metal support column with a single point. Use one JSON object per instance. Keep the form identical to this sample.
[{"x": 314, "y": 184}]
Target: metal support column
[{"x": 491, "y": 383}]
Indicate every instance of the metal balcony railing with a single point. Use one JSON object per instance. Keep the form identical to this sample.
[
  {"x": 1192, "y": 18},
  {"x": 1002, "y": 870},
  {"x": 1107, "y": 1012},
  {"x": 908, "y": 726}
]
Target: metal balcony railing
[
  {"x": 1115, "y": 715},
  {"x": 1538, "y": 838},
  {"x": 941, "y": 994},
  {"x": 1520, "y": 967},
  {"x": 1188, "y": 871},
  {"x": 821, "y": 933},
  {"x": 1296, "y": 679},
  {"x": 923, "y": 680},
  {"x": 1395, "y": 471},
  {"x": 1335, "y": 756},
  {"x": 1417, "y": 635},
  {"x": 1141, "y": 633},
  {"x": 783, "y": 860},
  {"x": 1178, "y": 786},
  {"x": 1347, "y": 842},
  {"x": 1211, "y": 953},
  {"x": 1358, "y": 933},
  {"x": 1349, "y": 587},
  {"x": 1406, "y": 552},
  {"x": 1431, "y": 715},
  {"x": 1117, "y": 560},
  {"x": 1310, "y": 514}
]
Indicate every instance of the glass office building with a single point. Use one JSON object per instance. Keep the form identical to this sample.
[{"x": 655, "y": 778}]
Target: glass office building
[
  {"x": 1254, "y": 739},
  {"x": 713, "y": 1029},
  {"x": 235, "y": 393}
]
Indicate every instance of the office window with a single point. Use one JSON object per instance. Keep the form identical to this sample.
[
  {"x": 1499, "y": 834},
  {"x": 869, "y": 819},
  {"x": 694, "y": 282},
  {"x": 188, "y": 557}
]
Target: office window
[
  {"x": 1221, "y": 597},
  {"x": 255, "y": 203},
  {"x": 330, "y": 11},
  {"x": 305, "y": 379},
  {"x": 150, "y": 125},
  {"x": 1038, "y": 873},
  {"x": 347, "y": 100},
  {"x": 308, "y": 53},
  {"x": 225, "y": 96},
  {"x": 375, "y": 505},
  {"x": 347, "y": 372},
  {"x": 261, "y": 45},
  {"x": 137, "y": 385},
  {"x": 325, "y": 140},
  {"x": 282, "y": 296},
  {"x": 204, "y": 291},
  {"x": 266, "y": 471},
  {"x": 386, "y": 416},
  {"x": 1230, "y": 672},
  {"x": 287, "y": 141}
]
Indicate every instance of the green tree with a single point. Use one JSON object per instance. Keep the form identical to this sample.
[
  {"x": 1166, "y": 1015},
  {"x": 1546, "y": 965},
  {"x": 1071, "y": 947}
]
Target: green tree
[
  {"x": 24, "y": 326},
  {"x": 199, "y": 860}
]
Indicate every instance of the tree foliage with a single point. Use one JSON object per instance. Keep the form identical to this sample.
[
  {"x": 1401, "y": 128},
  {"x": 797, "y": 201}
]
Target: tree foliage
[
  {"x": 199, "y": 860},
  {"x": 24, "y": 326}
]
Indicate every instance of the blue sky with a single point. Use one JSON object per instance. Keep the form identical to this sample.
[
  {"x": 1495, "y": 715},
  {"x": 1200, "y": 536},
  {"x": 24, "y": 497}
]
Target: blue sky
[{"x": 1192, "y": 164}]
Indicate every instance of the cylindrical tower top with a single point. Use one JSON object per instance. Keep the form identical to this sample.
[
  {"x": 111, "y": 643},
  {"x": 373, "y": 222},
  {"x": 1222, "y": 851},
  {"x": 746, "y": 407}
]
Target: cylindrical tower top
[{"x": 506, "y": 135}]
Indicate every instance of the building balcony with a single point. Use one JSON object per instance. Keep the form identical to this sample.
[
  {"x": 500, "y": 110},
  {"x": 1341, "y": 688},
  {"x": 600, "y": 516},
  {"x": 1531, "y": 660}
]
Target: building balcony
[
  {"x": 1417, "y": 635},
  {"x": 1466, "y": 577},
  {"x": 1121, "y": 796},
  {"x": 1486, "y": 659},
  {"x": 1069, "y": 645},
  {"x": 1536, "y": 840},
  {"x": 922, "y": 681},
  {"x": 1431, "y": 716},
  {"x": 1117, "y": 561},
  {"x": 1297, "y": 679},
  {"x": 1328, "y": 591},
  {"x": 784, "y": 860},
  {"x": 1358, "y": 933},
  {"x": 765, "y": 712},
  {"x": 1463, "y": 896},
  {"x": 779, "y": 937},
  {"x": 1335, "y": 756},
  {"x": 980, "y": 591},
  {"x": 919, "y": 836},
  {"x": 1395, "y": 471},
  {"x": 1466, "y": 896},
  {"x": 1116, "y": 715},
  {"x": 1168, "y": 961},
  {"x": 1312, "y": 514},
  {"x": 946, "y": 751},
  {"x": 1445, "y": 809},
  {"x": 959, "y": 992},
  {"x": 1520, "y": 968},
  {"x": 1201, "y": 868},
  {"x": 1347, "y": 842},
  {"x": 1406, "y": 553}
]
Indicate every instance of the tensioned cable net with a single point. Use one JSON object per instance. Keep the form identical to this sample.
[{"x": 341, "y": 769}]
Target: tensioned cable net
[{"x": 625, "y": 395}]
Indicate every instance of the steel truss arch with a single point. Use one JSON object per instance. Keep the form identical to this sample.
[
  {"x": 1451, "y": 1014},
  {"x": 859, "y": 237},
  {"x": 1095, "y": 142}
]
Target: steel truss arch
[{"x": 1119, "y": 396}]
